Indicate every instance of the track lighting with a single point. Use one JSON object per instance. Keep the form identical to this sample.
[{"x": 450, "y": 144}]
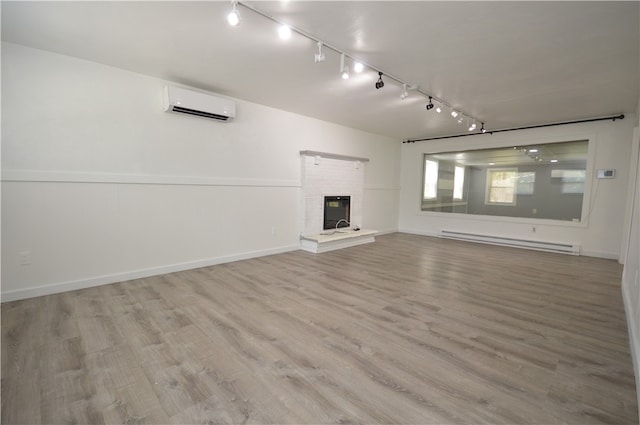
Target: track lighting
[
  {"x": 233, "y": 18},
  {"x": 430, "y": 104},
  {"x": 404, "y": 93},
  {"x": 344, "y": 70},
  {"x": 319, "y": 57},
  {"x": 284, "y": 32},
  {"x": 379, "y": 83}
]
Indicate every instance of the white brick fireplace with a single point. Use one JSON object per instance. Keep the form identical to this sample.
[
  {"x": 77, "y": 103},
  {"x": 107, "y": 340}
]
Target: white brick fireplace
[{"x": 325, "y": 174}]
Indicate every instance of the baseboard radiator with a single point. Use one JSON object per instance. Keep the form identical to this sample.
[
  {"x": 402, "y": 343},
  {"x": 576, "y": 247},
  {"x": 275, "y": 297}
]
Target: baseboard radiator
[{"x": 564, "y": 248}]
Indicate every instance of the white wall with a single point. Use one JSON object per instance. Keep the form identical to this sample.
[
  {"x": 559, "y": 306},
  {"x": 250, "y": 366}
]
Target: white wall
[
  {"x": 100, "y": 185},
  {"x": 631, "y": 273},
  {"x": 599, "y": 235}
]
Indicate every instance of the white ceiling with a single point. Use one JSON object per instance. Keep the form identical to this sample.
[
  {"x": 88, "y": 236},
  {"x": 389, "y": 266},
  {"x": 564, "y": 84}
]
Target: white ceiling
[{"x": 508, "y": 64}]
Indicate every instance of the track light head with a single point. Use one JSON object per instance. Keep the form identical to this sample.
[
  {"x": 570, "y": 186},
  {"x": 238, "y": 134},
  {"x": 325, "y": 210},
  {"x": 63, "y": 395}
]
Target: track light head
[
  {"x": 454, "y": 113},
  {"x": 233, "y": 18},
  {"x": 430, "y": 104},
  {"x": 439, "y": 109},
  {"x": 472, "y": 127},
  {"x": 379, "y": 83},
  {"x": 404, "y": 93},
  {"x": 460, "y": 119},
  {"x": 358, "y": 67},
  {"x": 484, "y": 130},
  {"x": 344, "y": 71},
  {"x": 319, "y": 57}
]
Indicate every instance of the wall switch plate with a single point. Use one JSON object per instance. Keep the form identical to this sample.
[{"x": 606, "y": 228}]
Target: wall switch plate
[
  {"x": 606, "y": 174},
  {"x": 25, "y": 258}
]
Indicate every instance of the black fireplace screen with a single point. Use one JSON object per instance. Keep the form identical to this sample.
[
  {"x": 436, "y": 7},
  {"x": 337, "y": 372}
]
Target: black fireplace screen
[{"x": 336, "y": 212}]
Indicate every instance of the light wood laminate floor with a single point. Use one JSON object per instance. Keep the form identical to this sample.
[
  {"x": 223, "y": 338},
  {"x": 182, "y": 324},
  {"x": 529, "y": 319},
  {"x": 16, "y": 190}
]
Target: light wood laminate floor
[{"x": 409, "y": 329}]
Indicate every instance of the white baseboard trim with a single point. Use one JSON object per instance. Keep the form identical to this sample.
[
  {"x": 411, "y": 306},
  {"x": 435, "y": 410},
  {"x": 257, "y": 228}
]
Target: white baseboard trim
[
  {"x": 634, "y": 339},
  {"x": 418, "y": 232},
  {"x": 55, "y": 288},
  {"x": 600, "y": 254}
]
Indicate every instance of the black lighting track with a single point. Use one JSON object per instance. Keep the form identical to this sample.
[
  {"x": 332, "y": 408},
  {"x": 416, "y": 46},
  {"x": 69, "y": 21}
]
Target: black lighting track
[{"x": 613, "y": 118}]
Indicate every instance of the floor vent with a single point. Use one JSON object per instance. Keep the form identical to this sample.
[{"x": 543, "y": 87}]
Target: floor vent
[{"x": 564, "y": 248}]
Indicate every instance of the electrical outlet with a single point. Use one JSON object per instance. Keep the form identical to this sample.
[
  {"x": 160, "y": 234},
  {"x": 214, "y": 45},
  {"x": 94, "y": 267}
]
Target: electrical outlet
[
  {"x": 25, "y": 258},
  {"x": 533, "y": 229}
]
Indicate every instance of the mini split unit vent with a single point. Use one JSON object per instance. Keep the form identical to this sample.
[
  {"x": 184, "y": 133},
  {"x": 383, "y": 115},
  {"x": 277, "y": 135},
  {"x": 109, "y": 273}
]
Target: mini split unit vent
[{"x": 195, "y": 103}]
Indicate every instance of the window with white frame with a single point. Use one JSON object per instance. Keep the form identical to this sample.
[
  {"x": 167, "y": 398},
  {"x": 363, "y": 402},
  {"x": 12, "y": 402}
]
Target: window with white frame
[
  {"x": 572, "y": 180},
  {"x": 430, "y": 179},
  {"x": 458, "y": 183},
  {"x": 501, "y": 186},
  {"x": 526, "y": 183}
]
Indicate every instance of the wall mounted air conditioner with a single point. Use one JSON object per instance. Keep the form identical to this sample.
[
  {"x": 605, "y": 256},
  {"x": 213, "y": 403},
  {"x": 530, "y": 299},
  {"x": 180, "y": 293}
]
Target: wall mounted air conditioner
[{"x": 191, "y": 102}]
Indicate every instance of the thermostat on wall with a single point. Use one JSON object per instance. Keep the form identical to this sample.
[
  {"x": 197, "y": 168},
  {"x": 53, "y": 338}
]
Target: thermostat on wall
[{"x": 606, "y": 174}]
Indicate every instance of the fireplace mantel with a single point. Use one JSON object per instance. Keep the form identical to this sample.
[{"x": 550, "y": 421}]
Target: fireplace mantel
[{"x": 334, "y": 156}]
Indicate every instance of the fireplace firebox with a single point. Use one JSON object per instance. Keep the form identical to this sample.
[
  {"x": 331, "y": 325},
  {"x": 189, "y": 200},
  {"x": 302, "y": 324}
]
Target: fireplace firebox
[{"x": 336, "y": 212}]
